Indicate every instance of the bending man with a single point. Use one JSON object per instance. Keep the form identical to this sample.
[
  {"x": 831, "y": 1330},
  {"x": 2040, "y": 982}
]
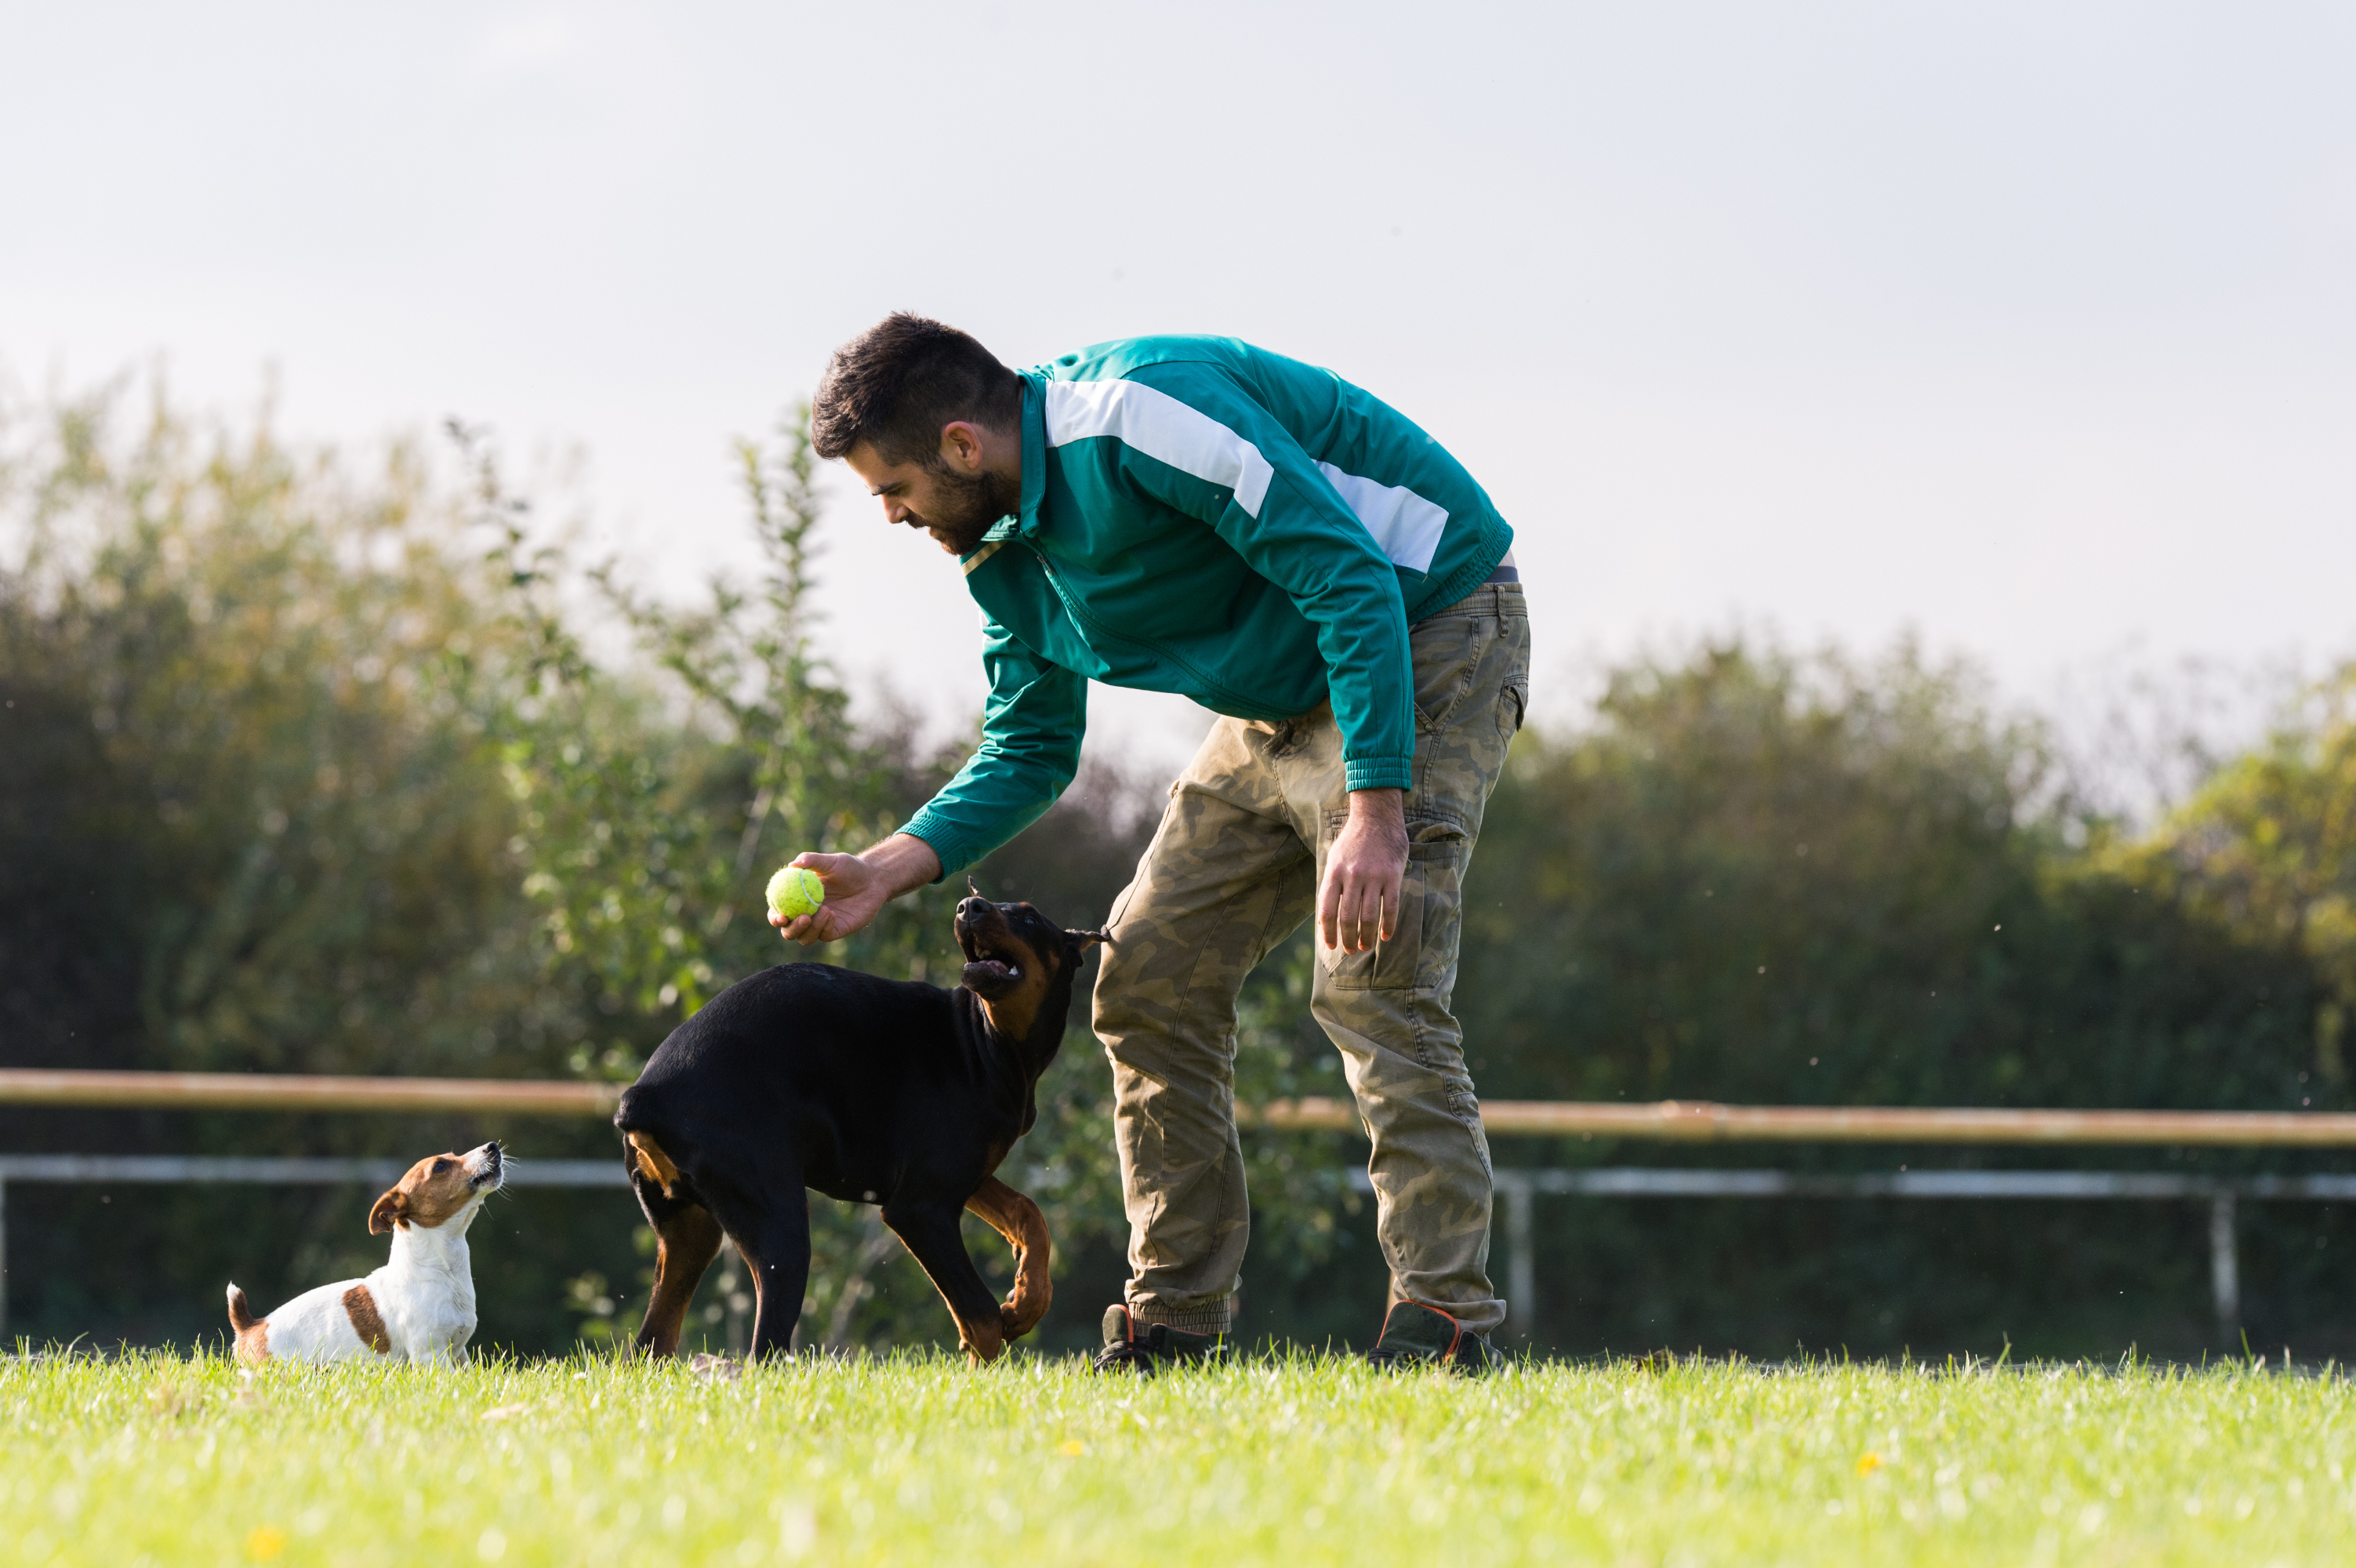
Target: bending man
[{"x": 1199, "y": 516}]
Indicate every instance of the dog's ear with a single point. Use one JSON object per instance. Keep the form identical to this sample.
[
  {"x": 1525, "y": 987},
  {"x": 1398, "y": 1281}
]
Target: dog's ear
[{"x": 390, "y": 1211}]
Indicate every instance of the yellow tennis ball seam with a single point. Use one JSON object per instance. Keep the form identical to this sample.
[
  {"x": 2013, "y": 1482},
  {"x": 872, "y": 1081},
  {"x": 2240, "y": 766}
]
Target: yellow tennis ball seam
[{"x": 796, "y": 891}]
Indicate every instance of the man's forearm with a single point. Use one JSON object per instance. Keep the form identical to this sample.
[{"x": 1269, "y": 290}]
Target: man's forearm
[
  {"x": 1382, "y": 809},
  {"x": 903, "y": 863}
]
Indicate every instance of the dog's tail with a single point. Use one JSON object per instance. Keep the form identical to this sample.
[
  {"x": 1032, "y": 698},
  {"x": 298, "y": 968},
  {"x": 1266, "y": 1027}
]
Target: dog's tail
[{"x": 240, "y": 1312}]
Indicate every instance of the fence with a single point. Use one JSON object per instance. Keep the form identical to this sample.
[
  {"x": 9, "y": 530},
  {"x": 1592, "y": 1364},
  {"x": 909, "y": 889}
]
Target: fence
[
  {"x": 1675, "y": 1121},
  {"x": 1518, "y": 1188}
]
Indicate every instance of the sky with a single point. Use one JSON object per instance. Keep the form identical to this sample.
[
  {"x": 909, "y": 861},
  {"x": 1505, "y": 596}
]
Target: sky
[{"x": 2027, "y": 330}]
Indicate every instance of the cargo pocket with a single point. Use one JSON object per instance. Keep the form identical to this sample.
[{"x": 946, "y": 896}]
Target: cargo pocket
[
  {"x": 1447, "y": 652},
  {"x": 1422, "y": 951}
]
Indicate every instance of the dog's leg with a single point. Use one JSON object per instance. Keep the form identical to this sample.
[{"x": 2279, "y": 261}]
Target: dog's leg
[
  {"x": 687, "y": 1238},
  {"x": 929, "y": 1231},
  {"x": 1018, "y": 1220},
  {"x": 777, "y": 1245}
]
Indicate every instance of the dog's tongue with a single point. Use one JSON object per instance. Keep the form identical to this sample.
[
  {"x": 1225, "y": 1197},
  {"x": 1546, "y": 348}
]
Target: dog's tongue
[{"x": 988, "y": 969}]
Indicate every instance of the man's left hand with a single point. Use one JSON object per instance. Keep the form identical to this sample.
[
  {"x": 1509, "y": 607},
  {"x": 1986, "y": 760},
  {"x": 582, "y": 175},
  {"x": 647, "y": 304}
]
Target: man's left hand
[{"x": 1364, "y": 870}]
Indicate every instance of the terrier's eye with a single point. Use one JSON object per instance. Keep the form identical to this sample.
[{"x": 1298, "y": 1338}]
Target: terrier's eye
[{"x": 444, "y": 1163}]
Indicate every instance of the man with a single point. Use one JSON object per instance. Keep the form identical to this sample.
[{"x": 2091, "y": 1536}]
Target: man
[{"x": 1197, "y": 515}]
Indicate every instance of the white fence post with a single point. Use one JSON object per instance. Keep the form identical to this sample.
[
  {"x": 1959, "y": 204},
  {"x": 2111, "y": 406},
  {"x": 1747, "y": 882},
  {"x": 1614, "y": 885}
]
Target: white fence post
[
  {"x": 1521, "y": 1268},
  {"x": 2224, "y": 1269}
]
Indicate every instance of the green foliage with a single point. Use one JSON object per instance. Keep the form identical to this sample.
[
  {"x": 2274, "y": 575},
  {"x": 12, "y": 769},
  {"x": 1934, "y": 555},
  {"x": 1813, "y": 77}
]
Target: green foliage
[
  {"x": 250, "y": 821},
  {"x": 1763, "y": 879},
  {"x": 2269, "y": 845},
  {"x": 916, "y": 1458},
  {"x": 649, "y": 832}
]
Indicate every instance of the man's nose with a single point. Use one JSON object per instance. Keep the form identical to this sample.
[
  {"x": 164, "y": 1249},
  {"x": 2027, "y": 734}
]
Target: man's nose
[{"x": 895, "y": 511}]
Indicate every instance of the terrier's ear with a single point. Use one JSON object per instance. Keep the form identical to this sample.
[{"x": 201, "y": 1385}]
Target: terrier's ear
[{"x": 392, "y": 1209}]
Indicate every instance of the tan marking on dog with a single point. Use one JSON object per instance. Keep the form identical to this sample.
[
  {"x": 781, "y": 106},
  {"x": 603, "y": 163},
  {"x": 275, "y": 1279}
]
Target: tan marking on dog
[
  {"x": 983, "y": 1342},
  {"x": 433, "y": 1189},
  {"x": 1013, "y": 1014},
  {"x": 653, "y": 1164},
  {"x": 360, "y": 1307},
  {"x": 1018, "y": 1220},
  {"x": 252, "y": 1333},
  {"x": 983, "y": 1339},
  {"x": 685, "y": 1244}
]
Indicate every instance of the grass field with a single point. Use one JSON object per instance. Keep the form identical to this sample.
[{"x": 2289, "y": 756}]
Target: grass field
[{"x": 159, "y": 1459}]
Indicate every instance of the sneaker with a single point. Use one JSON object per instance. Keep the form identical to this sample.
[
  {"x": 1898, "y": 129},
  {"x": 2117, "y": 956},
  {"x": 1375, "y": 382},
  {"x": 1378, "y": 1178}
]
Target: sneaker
[
  {"x": 1414, "y": 1334},
  {"x": 1159, "y": 1346}
]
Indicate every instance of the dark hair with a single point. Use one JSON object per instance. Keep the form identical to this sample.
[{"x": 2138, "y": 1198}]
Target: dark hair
[{"x": 895, "y": 384}]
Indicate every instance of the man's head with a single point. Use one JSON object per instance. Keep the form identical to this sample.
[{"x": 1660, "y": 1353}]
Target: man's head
[{"x": 931, "y": 420}]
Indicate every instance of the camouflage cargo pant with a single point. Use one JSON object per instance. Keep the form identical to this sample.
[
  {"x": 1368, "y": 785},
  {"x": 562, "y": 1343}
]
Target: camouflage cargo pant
[{"x": 1232, "y": 872}]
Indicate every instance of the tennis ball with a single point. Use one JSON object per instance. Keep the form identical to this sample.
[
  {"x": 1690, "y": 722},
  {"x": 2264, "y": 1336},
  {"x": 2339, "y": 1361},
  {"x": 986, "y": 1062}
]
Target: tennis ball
[{"x": 796, "y": 890}]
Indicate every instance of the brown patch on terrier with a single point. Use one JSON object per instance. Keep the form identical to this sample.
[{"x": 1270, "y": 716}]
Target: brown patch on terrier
[{"x": 360, "y": 1307}]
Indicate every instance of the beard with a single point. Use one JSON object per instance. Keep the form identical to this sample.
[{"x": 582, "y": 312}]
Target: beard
[{"x": 965, "y": 506}]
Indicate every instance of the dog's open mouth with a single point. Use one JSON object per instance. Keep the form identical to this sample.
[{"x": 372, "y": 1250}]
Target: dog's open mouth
[
  {"x": 990, "y": 970},
  {"x": 987, "y": 973}
]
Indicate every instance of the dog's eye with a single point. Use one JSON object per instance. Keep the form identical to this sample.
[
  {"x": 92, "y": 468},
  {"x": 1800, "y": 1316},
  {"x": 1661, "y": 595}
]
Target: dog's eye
[{"x": 444, "y": 1163}]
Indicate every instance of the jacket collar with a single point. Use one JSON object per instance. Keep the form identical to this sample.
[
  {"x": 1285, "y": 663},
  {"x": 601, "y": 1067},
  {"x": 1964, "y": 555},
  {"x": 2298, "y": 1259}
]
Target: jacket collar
[{"x": 1035, "y": 472}]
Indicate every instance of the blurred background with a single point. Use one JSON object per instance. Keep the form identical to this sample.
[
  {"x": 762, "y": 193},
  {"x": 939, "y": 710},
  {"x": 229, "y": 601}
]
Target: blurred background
[{"x": 1925, "y": 433}]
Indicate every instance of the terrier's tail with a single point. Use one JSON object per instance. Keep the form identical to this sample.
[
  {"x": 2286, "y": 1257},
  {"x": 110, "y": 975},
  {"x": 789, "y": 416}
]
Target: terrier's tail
[{"x": 241, "y": 1313}]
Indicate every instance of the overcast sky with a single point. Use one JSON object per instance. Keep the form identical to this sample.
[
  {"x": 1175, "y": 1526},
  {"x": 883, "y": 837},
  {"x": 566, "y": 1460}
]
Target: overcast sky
[{"x": 2031, "y": 328}]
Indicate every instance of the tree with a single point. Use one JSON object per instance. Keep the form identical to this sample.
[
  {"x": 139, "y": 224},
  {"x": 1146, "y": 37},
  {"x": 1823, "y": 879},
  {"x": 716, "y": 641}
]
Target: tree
[
  {"x": 255, "y": 824},
  {"x": 2269, "y": 845}
]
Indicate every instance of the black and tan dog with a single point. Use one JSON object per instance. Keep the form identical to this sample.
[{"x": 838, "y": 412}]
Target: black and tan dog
[{"x": 870, "y": 1090}]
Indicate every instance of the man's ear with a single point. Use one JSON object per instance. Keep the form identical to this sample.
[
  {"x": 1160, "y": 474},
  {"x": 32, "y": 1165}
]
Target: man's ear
[
  {"x": 391, "y": 1209},
  {"x": 963, "y": 447}
]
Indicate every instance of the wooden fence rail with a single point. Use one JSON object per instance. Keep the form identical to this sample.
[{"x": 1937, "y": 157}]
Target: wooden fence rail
[{"x": 1673, "y": 1121}]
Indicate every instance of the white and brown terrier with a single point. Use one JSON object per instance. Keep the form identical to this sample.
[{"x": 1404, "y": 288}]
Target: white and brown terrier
[{"x": 420, "y": 1306}]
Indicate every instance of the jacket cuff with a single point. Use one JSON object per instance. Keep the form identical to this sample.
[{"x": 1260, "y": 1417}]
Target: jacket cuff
[
  {"x": 952, "y": 852},
  {"x": 1374, "y": 773}
]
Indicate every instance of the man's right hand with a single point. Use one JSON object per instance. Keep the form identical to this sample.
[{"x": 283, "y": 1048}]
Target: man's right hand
[{"x": 858, "y": 886}]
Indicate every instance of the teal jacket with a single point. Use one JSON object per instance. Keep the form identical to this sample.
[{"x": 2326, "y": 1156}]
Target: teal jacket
[{"x": 1203, "y": 517}]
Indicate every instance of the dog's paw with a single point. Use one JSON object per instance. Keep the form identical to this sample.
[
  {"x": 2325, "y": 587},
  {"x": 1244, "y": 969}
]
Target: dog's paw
[
  {"x": 1019, "y": 1316},
  {"x": 983, "y": 1342}
]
